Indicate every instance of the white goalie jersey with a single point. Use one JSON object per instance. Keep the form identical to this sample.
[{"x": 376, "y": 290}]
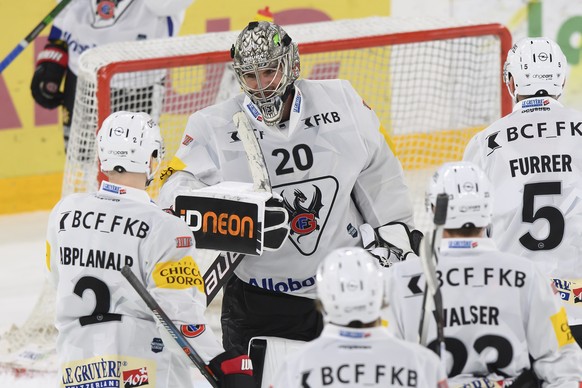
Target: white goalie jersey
[
  {"x": 532, "y": 158},
  {"x": 499, "y": 310},
  {"x": 329, "y": 162},
  {"x": 107, "y": 336},
  {"x": 346, "y": 357}
]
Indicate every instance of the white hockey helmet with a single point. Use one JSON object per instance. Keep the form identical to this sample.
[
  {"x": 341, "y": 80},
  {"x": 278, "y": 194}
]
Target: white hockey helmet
[
  {"x": 469, "y": 191},
  {"x": 129, "y": 140},
  {"x": 538, "y": 67},
  {"x": 350, "y": 286},
  {"x": 264, "y": 46}
]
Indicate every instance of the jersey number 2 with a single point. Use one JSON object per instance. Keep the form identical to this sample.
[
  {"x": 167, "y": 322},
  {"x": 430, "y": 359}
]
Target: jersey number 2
[
  {"x": 551, "y": 214},
  {"x": 103, "y": 301}
]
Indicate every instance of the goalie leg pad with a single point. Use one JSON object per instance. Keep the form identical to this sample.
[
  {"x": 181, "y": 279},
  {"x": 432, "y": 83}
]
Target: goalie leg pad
[{"x": 267, "y": 354}]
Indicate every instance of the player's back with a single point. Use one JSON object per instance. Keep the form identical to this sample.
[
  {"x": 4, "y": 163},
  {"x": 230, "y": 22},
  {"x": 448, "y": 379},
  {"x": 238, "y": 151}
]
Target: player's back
[
  {"x": 371, "y": 357},
  {"x": 93, "y": 236},
  {"x": 498, "y": 309},
  {"x": 533, "y": 161}
]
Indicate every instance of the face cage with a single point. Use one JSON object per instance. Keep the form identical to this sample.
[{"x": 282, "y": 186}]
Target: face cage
[{"x": 269, "y": 101}]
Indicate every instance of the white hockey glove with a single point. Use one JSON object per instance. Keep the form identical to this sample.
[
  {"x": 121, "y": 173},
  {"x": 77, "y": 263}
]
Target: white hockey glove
[
  {"x": 276, "y": 228},
  {"x": 390, "y": 243}
]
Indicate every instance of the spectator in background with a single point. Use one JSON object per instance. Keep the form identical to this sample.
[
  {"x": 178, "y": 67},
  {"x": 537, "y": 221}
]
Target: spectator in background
[{"x": 84, "y": 24}]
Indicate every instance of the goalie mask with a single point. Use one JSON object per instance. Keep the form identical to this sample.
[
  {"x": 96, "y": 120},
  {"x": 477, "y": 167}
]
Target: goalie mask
[
  {"x": 127, "y": 141},
  {"x": 537, "y": 66},
  {"x": 470, "y": 202},
  {"x": 266, "y": 63},
  {"x": 350, "y": 286}
]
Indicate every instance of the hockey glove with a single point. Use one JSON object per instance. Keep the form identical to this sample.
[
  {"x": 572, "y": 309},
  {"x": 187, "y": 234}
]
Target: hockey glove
[
  {"x": 276, "y": 227},
  {"x": 402, "y": 242},
  {"x": 233, "y": 371},
  {"x": 51, "y": 66}
]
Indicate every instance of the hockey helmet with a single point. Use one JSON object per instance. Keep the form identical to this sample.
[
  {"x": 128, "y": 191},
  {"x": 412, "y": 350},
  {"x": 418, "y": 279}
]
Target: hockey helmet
[
  {"x": 265, "y": 48},
  {"x": 537, "y": 66},
  {"x": 470, "y": 202},
  {"x": 129, "y": 140},
  {"x": 350, "y": 286}
]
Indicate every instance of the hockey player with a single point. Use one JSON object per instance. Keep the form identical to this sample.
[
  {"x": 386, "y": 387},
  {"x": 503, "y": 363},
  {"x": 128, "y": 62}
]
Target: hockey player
[
  {"x": 84, "y": 24},
  {"x": 326, "y": 158},
  {"x": 354, "y": 348},
  {"x": 499, "y": 310},
  {"x": 532, "y": 157},
  {"x": 107, "y": 336}
]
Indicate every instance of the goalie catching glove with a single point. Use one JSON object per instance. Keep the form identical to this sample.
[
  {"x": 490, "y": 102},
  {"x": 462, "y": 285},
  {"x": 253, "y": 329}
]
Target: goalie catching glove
[
  {"x": 390, "y": 243},
  {"x": 51, "y": 66},
  {"x": 233, "y": 371}
]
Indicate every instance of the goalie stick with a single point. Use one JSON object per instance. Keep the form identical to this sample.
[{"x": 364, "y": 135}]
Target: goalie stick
[
  {"x": 33, "y": 34},
  {"x": 428, "y": 261},
  {"x": 224, "y": 265},
  {"x": 169, "y": 326}
]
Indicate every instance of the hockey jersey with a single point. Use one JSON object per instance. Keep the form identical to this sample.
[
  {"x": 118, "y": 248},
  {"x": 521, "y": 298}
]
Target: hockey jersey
[
  {"x": 346, "y": 357},
  {"x": 533, "y": 160},
  {"x": 498, "y": 310},
  {"x": 84, "y": 24},
  {"x": 329, "y": 162},
  {"x": 106, "y": 334}
]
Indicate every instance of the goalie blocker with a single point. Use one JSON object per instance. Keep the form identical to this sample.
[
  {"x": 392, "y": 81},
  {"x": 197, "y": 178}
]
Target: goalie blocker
[{"x": 231, "y": 217}]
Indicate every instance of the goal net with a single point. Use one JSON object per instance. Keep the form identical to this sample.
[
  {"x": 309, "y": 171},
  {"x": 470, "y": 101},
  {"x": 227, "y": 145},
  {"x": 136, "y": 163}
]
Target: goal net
[{"x": 433, "y": 84}]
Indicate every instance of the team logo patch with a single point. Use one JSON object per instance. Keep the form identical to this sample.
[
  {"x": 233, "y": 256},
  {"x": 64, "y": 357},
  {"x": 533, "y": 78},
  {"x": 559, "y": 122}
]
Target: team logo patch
[
  {"x": 135, "y": 377},
  {"x": 157, "y": 345},
  {"x": 309, "y": 204},
  {"x": 192, "y": 331},
  {"x": 178, "y": 275},
  {"x": 106, "y": 9},
  {"x": 187, "y": 140},
  {"x": 183, "y": 241}
]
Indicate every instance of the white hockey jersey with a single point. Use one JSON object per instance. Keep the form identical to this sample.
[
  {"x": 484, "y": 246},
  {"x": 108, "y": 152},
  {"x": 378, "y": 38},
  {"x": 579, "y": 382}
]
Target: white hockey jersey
[
  {"x": 107, "y": 335},
  {"x": 498, "y": 309},
  {"x": 533, "y": 160},
  {"x": 346, "y": 357},
  {"x": 329, "y": 162},
  {"x": 83, "y": 24}
]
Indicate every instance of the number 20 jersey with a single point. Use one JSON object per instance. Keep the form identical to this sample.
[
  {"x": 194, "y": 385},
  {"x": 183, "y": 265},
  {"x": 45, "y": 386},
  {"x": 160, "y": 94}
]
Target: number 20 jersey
[
  {"x": 533, "y": 160},
  {"x": 329, "y": 162}
]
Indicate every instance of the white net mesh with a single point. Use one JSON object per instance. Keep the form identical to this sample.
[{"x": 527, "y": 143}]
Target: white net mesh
[{"x": 433, "y": 85}]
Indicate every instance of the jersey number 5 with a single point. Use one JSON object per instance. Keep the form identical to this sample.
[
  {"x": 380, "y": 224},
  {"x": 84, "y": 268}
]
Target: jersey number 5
[
  {"x": 554, "y": 217},
  {"x": 102, "y": 301}
]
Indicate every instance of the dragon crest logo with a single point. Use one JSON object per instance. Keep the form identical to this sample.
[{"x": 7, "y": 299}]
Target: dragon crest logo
[{"x": 309, "y": 204}]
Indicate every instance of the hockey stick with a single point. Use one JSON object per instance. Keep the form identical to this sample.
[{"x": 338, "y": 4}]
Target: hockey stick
[
  {"x": 224, "y": 265},
  {"x": 33, "y": 34},
  {"x": 432, "y": 285},
  {"x": 169, "y": 326}
]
